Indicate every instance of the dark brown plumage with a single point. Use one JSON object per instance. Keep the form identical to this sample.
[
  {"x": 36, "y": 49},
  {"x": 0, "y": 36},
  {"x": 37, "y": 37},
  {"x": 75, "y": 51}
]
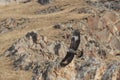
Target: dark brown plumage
[{"x": 75, "y": 41}]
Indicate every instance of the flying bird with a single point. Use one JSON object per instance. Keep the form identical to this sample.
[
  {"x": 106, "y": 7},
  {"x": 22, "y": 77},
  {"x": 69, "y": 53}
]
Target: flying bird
[{"x": 75, "y": 41}]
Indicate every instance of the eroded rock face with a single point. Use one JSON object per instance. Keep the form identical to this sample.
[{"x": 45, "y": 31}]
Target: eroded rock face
[
  {"x": 34, "y": 49},
  {"x": 34, "y": 52},
  {"x": 99, "y": 39}
]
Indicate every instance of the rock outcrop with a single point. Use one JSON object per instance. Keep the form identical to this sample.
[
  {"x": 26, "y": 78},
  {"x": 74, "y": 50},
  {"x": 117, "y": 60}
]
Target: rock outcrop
[
  {"x": 110, "y": 4},
  {"x": 10, "y": 24},
  {"x": 97, "y": 57},
  {"x": 34, "y": 52}
]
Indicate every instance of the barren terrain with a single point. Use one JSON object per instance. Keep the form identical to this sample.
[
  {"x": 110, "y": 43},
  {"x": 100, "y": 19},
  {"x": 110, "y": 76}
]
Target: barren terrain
[{"x": 38, "y": 18}]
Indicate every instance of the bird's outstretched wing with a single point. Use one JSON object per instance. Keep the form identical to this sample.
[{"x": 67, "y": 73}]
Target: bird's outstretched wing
[{"x": 75, "y": 41}]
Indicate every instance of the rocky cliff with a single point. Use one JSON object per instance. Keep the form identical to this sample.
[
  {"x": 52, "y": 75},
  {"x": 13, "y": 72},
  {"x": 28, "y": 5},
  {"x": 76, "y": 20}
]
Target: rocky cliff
[{"x": 94, "y": 54}]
